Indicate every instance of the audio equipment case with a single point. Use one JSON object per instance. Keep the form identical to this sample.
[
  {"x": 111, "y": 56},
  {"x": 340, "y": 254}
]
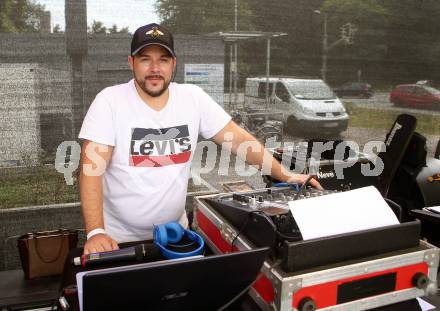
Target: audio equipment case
[{"x": 340, "y": 285}]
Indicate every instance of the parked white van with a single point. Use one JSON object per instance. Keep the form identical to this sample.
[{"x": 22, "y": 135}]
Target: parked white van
[{"x": 307, "y": 104}]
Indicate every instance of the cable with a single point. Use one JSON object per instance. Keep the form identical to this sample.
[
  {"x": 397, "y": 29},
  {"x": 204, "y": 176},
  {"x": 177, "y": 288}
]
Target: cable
[
  {"x": 288, "y": 238},
  {"x": 236, "y": 297},
  {"x": 243, "y": 227},
  {"x": 303, "y": 186}
]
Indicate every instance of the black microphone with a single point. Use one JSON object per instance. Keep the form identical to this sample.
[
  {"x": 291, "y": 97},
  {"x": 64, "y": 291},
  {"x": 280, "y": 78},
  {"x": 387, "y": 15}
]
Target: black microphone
[{"x": 135, "y": 253}]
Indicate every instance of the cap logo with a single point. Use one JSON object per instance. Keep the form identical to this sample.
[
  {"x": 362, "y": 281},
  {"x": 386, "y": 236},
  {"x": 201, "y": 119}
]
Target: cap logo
[{"x": 154, "y": 33}]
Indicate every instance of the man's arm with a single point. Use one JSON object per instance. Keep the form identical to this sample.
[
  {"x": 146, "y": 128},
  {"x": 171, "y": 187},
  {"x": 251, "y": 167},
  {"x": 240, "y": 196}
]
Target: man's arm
[
  {"x": 256, "y": 155},
  {"x": 94, "y": 160}
]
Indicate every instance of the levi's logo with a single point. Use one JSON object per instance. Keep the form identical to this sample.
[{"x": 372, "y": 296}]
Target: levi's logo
[{"x": 159, "y": 147}]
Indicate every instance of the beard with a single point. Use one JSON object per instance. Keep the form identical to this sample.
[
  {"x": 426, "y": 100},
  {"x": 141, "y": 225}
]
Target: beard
[{"x": 143, "y": 85}]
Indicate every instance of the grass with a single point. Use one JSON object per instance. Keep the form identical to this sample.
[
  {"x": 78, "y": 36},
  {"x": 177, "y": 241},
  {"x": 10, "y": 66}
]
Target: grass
[
  {"x": 42, "y": 185},
  {"x": 384, "y": 119},
  {"x": 35, "y": 186}
]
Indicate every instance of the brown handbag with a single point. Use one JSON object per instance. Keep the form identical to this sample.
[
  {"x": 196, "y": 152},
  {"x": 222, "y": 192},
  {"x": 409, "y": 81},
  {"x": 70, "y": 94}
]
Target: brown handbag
[{"x": 44, "y": 253}]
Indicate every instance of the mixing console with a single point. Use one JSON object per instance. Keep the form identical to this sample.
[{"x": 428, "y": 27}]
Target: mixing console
[{"x": 264, "y": 215}]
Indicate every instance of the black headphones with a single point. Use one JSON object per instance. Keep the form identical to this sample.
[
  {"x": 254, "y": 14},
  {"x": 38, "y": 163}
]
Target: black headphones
[{"x": 169, "y": 235}]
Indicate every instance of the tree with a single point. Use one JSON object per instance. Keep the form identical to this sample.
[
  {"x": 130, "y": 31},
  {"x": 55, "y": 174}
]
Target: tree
[
  {"x": 412, "y": 38},
  {"x": 394, "y": 38},
  {"x": 368, "y": 45},
  {"x": 302, "y": 43},
  {"x": 203, "y": 16},
  {"x": 207, "y": 16},
  {"x": 20, "y": 16},
  {"x": 365, "y": 13},
  {"x": 57, "y": 29},
  {"x": 98, "y": 27},
  {"x": 123, "y": 30},
  {"x": 400, "y": 35},
  {"x": 114, "y": 29}
]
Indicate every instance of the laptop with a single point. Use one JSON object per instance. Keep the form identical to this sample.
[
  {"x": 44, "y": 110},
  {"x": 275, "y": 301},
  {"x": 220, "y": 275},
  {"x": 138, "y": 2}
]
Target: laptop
[{"x": 194, "y": 283}]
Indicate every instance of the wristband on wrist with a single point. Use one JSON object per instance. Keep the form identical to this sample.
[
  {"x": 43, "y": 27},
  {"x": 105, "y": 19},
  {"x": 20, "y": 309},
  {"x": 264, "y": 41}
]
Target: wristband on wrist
[{"x": 95, "y": 232}]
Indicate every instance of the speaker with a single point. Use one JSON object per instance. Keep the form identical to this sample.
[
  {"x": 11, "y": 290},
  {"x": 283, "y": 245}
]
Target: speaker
[{"x": 174, "y": 241}]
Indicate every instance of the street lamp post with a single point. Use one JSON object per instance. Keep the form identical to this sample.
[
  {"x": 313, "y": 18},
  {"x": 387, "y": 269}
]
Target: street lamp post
[
  {"x": 267, "y": 71},
  {"x": 347, "y": 34},
  {"x": 324, "y": 46},
  {"x": 324, "y": 50}
]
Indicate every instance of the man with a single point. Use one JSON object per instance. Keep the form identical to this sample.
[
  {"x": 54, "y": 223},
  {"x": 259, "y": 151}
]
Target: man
[{"x": 139, "y": 139}]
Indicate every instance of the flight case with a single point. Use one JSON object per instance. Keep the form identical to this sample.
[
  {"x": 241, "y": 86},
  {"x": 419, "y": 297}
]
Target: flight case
[{"x": 373, "y": 280}]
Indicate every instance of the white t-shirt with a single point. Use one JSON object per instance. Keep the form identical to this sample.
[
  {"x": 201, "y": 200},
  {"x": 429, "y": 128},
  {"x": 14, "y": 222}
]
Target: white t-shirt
[{"x": 146, "y": 180}]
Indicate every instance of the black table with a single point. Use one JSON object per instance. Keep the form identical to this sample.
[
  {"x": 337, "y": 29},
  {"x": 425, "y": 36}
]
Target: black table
[{"x": 17, "y": 293}]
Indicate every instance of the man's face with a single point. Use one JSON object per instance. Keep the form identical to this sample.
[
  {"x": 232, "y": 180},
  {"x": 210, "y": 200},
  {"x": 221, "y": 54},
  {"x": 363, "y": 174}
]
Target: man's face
[{"x": 152, "y": 69}]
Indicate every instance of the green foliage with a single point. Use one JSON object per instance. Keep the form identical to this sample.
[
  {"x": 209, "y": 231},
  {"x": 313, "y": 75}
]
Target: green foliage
[
  {"x": 396, "y": 40},
  {"x": 20, "y": 16},
  {"x": 123, "y": 30},
  {"x": 203, "y": 16},
  {"x": 295, "y": 54},
  {"x": 402, "y": 34},
  {"x": 412, "y": 36},
  {"x": 57, "y": 29},
  {"x": 113, "y": 29},
  {"x": 98, "y": 27},
  {"x": 367, "y": 13}
]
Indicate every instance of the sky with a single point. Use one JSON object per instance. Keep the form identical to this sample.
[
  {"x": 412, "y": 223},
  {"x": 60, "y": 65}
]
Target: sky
[{"x": 131, "y": 13}]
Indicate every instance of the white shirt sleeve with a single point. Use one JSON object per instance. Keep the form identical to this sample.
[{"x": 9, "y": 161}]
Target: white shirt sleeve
[
  {"x": 213, "y": 118},
  {"x": 98, "y": 124}
]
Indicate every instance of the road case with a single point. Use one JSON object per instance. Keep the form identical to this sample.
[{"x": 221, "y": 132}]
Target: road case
[{"x": 343, "y": 283}]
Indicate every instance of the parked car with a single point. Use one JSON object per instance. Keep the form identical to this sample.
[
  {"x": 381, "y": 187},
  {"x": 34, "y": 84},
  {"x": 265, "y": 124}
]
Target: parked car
[
  {"x": 308, "y": 105},
  {"x": 426, "y": 82},
  {"x": 415, "y": 95},
  {"x": 360, "y": 89}
]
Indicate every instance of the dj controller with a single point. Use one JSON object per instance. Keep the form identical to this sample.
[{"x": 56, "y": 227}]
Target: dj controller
[
  {"x": 264, "y": 218},
  {"x": 264, "y": 215}
]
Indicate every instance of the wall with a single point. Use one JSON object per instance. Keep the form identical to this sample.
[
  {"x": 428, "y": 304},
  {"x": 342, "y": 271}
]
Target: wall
[
  {"x": 27, "y": 91},
  {"x": 36, "y": 78}
]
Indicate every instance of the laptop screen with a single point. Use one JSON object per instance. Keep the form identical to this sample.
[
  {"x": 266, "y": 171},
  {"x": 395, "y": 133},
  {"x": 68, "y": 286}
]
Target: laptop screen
[{"x": 200, "y": 283}]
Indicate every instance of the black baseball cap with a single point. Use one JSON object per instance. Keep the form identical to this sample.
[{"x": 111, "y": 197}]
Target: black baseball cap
[{"x": 152, "y": 34}]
